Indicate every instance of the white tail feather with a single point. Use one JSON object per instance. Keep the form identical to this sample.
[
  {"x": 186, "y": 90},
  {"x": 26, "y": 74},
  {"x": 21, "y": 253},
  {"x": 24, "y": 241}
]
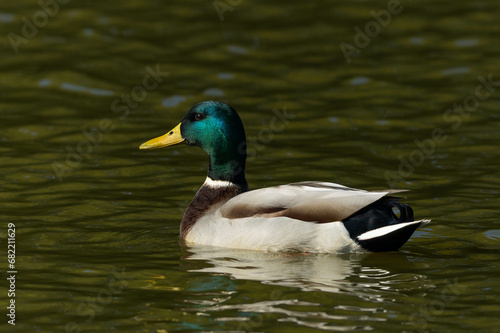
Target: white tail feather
[{"x": 388, "y": 229}]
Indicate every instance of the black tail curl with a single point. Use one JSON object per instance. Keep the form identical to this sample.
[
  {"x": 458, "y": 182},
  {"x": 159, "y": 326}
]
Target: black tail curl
[{"x": 380, "y": 214}]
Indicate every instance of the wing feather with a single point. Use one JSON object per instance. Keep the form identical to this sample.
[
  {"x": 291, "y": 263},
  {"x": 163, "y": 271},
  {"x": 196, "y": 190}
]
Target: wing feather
[{"x": 305, "y": 201}]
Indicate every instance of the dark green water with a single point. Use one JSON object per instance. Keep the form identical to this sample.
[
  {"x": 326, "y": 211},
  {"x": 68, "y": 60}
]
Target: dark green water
[{"x": 96, "y": 220}]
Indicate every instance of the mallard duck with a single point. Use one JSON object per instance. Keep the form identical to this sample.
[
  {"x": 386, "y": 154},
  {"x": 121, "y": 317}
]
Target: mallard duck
[{"x": 307, "y": 216}]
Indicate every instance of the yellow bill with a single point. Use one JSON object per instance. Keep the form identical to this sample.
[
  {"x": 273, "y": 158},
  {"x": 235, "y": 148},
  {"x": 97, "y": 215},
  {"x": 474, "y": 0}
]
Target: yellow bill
[{"x": 172, "y": 138}]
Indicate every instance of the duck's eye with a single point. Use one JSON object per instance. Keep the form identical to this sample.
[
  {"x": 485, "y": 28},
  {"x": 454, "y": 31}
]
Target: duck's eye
[{"x": 199, "y": 116}]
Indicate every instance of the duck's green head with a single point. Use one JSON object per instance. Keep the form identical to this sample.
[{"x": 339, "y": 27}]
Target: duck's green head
[{"x": 217, "y": 129}]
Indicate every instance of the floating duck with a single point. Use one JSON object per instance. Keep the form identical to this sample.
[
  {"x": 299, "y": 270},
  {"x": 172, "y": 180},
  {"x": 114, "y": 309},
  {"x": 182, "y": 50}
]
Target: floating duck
[{"x": 308, "y": 216}]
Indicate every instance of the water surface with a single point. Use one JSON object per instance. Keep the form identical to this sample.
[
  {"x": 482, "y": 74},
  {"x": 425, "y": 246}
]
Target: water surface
[{"x": 97, "y": 247}]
